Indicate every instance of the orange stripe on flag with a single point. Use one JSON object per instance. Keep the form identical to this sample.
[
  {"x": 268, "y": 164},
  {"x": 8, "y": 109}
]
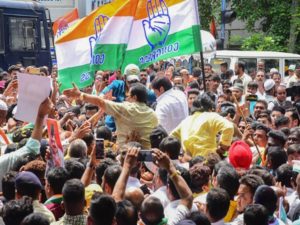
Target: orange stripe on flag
[
  {"x": 63, "y": 21},
  {"x": 86, "y": 27},
  {"x": 142, "y": 13}
]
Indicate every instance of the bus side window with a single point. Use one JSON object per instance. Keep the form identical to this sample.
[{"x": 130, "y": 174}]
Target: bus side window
[
  {"x": 22, "y": 34},
  {"x": 250, "y": 64}
]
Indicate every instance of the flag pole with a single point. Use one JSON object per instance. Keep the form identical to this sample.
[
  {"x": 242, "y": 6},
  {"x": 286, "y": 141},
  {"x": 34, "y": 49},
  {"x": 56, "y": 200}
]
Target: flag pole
[
  {"x": 201, "y": 51},
  {"x": 202, "y": 68}
]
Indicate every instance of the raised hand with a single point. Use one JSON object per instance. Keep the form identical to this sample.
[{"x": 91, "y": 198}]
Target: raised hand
[
  {"x": 99, "y": 24},
  {"x": 157, "y": 27},
  {"x": 73, "y": 93}
]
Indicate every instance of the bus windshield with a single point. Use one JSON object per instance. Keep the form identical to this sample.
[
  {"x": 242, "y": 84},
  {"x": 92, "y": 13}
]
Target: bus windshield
[{"x": 22, "y": 33}]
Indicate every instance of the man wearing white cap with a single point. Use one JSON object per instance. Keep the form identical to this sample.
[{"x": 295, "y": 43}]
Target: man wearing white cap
[
  {"x": 291, "y": 77},
  {"x": 269, "y": 86}
]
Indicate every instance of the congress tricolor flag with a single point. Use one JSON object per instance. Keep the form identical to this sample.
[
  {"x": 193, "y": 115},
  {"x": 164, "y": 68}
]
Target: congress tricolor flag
[
  {"x": 63, "y": 23},
  {"x": 75, "y": 47},
  {"x": 145, "y": 31}
]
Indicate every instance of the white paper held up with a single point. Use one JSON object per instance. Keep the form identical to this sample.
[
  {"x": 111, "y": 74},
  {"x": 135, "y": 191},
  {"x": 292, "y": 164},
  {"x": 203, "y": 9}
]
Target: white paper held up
[{"x": 32, "y": 91}]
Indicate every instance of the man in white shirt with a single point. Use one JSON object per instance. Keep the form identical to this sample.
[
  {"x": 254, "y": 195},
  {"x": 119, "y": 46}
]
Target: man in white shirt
[
  {"x": 172, "y": 106},
  {"x": 239, "y": 70},
  {"x": 160, "y": 181},
  {"x": 291, "y": 78}
]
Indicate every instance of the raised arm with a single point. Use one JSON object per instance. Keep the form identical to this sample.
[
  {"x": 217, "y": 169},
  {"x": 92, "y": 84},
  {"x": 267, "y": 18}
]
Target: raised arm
[
  {"x": 129, "y": 162},
  {"x": 185, "y": 193},
  {"x": 77, "y": 94},
  {"x": 44, "y": 109}
]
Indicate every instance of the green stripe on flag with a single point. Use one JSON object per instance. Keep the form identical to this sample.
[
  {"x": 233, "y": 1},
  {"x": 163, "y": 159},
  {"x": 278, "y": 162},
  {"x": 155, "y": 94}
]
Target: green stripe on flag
[
  {"x": 108, "y": 56},
  {"x": 80, "y": 75},
  {"x": 183, "y": 42}
]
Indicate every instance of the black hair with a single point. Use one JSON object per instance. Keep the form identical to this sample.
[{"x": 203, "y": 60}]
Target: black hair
[
  {"x": 228, "y": 179},
  {"x": 266, "y": 196},
  {"x": 152, "y": 206},
  {"x": 56, "y": 177},
  {"x": 260, "y": 126},
  {"x": 295, "y": 115},
  {"x": 8, "y": 185},
  {"x": 208, "y": 64},
  {"x": 199, "y": 218},
  {"x": 102, "y": 210},
  {"x": 252, "y": 182},
  {"x": 163, "y": 175},
  {"x": 265, "y": 114},
  {"x": 281, "y": 121},
  {"x": 88, "y": 138},
  {"x": 91, "y": 107},
  {"x": 35, "y": 219},
  {"x": 126, "y": 213},
  {"x": 264, "y": 174},
  {"x": 140, "y": 91},
  {"x": 220, "y": 165},
  {"x": 101, "y": 167},
  {"x": 285, "y": 175},
  {"x": 278, "y": 109},
  {"x": 278, "y": 136},
  {"x": 294, "y": 148},
  {"x": 227, "y": 81},
  {"x": 277, "y": 156},
  {"x": 157, "y": 135},
  {"x": 15, "y": 211},
  {"x": 195, "y": 160},
  {"x": 195, "y": 84},
  {"x": 262, "y": 102},
  {"x": 252, "y": 84},
  {"x": 75, "y": 169},
  {"x": 73, "y": 191},
  {"x": 229, "y": 73},
  {"x": 193, "y": 91},
  {"x": 216, "y": 78},
  {"x": 111, "y": 175},
  {"x": 159, "y": 82},
  {"x": 295, "y": 131},
  {"x": 185, "y": 175},
  {"x": 196, "y": 72},
  {"x": 171, "y": 146},
  {"x": 203, "y": 103},
  {"x": 13, "y": 68},
  {"x": 200, "y": 175},
  {"x": 241, "y": 65},
  {"x": 104, "y": 132},
  {"x": 217, "y": 203},
  {"x": 256, "y": 214}
]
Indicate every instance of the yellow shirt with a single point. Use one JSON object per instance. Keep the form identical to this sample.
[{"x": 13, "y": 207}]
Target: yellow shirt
[
  {"x": 198, "y": 132},
  {"x": 231, "y": 211},
  {"x": 132, "y": 116}
]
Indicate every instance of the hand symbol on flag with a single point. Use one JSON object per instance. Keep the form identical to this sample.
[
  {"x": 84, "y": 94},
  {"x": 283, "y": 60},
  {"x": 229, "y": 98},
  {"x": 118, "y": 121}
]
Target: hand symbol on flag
[
  {"x": 99, "y": 24},
  {"x": 157, "y": 26}
]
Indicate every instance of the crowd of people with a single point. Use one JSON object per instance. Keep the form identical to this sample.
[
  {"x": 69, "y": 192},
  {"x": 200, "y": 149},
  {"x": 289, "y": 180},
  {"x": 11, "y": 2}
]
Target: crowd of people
[{"x": 178, "y": 149}]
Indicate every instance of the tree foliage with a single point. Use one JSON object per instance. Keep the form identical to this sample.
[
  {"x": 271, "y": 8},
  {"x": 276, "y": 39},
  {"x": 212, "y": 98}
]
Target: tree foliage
[
  {"x": 260, "y": 42},
  {"x": 207, "y": 10},
  {"x": 274, "y": 17}
]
